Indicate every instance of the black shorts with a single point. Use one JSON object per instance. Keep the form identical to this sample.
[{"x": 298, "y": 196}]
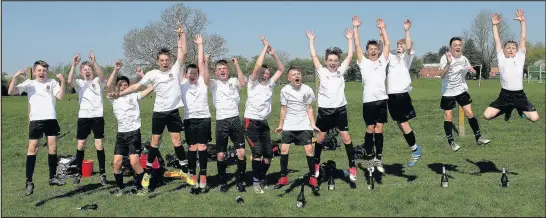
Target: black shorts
[
  {"x": 448, "y": 102},
  {"x": 86, "y": 125},
  {"x": 171, "y": 119},
  {"x": 232, "y": 128},
  {"x": 197, "y": 131},
  {"x": 128, "y": 143},
  {"x": 400, "y": 107},
  {"x": 38, "y": 128},
  {"x": 509, "y": 100},
  {"x": 374, "y": 112},
  {"x": 329, "y": 118},
  {"x": 259, "y": 138},
  {"x": 301, "y": 137}
]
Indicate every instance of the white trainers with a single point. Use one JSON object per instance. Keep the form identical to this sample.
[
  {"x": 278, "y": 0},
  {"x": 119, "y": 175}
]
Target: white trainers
[
  {"x": 455, "y": 146},
  {"x": 379, "y": 164},
  {"x": 483, "y": 141}
]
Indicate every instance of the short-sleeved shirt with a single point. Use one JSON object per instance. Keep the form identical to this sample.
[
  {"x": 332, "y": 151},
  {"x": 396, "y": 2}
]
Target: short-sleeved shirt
[
  {"x": 296, "y": 102},
  {"x": 166, "y": 86},
  {"x": 90, "y": 97},
  {"x": 195, "y": 98},
  {"x": 374, "y": 75},
  {"x": 454, "y": 82},
  {"x": 511, "y": 70},
  {"x": 225, "y": 97},
  {"x": 127, "y": 112},
  {"x": 398, "y": 78},
  {"x": 259, "y": 97},
  {"x": 42, "y": 97},
  {"x": 331, "y": 93}
]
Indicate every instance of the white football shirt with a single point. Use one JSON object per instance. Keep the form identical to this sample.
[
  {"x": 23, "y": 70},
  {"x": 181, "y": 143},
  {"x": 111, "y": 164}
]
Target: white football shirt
[
  {"x": 454, "y": 82},
  {"x": 127, "y": 112},
  {"x": 373, "y": 79},
  {"x": 398, "y": 78},
  {"x": 258, "y": 102},
  {"x": 166, "y": 87},
  {"x": 225, "y": 97},
  {"x": 41, "y": 97},
  {"x": 331, "y": 93},
  {"x": 90, "y": 97},
  {"x": 296, "y": 101},
  {"x": 511, "y": 70},
  {"x": 195, "y": 98}
]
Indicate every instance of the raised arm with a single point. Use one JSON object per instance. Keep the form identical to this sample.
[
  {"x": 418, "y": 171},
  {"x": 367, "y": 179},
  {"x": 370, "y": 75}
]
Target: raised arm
[
  {"x": 356, "y": 24},
  {"x": 316, "y": 60},
  {"x": 386, "y": 41},
  {"x": 148, "y": 89},
  {"x": 75, "y": 62},
  {"x": 349, "y": 35},
  {"x": 201, "y": 59},
  {"x": 206, "y": 74},
  {"x": 131, "y": 89},
  {"x": 409, "y": 43},
  {"x": 260, "y": 60},
  {"x": 280, "y": 66},
  {"x": 240, "y": 75},
  {"x": 523, "y": 40},
  {"x": 495, "y": 20},
  {"x": 182, "y": 44},
  {"x": 112, "y": 78},
  {"x": 60, "y": 95},
  {"x": 11, "y": 89},
  {"x": 97, "y": 69}
]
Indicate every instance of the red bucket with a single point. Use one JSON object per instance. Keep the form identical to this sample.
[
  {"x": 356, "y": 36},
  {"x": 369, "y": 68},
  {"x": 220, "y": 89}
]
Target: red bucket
[
  {"x": 144, "y": 159},
  {"x": 87, "y": 168}
]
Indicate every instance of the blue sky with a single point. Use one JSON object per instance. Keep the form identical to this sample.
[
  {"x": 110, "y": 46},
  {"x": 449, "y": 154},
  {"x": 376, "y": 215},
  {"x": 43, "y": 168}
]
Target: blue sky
[{"x": 55, "y": 31}]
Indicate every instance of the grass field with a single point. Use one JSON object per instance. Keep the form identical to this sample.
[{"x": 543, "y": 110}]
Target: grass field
[{"x": 517, "y": 144}]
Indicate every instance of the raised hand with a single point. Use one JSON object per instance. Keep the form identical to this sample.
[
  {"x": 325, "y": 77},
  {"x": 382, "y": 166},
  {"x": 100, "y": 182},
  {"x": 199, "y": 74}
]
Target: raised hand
[
  {"x": 310, "y": 34},
  {"x": 76, "y": 60},
  {"x": 113, "y": 95},
  {"x": 356, "y": 21},
  {"x": 179, "y": 28},
  {"x": 270, "y": 50},
  {"x": 117, "y": 65},
  {"x": 198, "y": 39},
  {"x": 60, "y": 77},
  {"x": 207, "y": 56},
  {"x": 349, "y": 33},
  {"x": 235, "y": 61},
  {"x": 21, "y": 73},
  {"x": 519, "y": 15},
  {"x": 264, "y": 40},
  {"x": 407, "y": 25},
  {"x": 139, "y": 72},
  {"x": 92, "y": 56},
  {"x": 471, "y": 69},
  {"x": 380, "y": 23}
]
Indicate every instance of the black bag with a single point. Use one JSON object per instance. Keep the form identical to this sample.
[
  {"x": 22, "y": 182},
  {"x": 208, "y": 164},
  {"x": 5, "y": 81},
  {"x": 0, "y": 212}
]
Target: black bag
[
  {"x": 330, "y": 141},
  {"x": 66, "y": 167}
]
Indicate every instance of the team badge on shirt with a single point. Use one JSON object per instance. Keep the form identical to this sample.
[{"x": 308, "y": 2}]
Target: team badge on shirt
[
  {"x": 231, "y": 86},
  {"x": 171, "y": 76},
  {"x": 131, "y": 102},
  {"x": 93, "y": 85},
  {"x": 48, "y": 88}
]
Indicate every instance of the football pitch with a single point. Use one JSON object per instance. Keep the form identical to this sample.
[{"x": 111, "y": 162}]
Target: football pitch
[{"x": 474, "y": 182}]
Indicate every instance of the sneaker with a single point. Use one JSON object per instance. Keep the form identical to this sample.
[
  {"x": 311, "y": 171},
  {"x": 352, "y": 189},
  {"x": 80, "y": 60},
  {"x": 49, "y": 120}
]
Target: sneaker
[
  {"x": 352, "y": 173},
  {"x": 194, "y": 179},
  {"x": 483, "y": 141},
  {"x": 103, "y": 180},
  {"x": 56, "y": 181},
  {"x": 317, "y": 170},
  {"x": 258, "y": 188},
  {"x": 282, "y": 182},
  {"x": 142, "y": 192},
  {"x": 455, "y": 146},
  {"x": 241, "y": 187},
  {"x": 77, "y": 179},
  {"x": 202, "y": 181},
  {"x": 314, "y": 184},
  {"x": 187, "y": 178},
  {"x": 145, "y": 181},
  {"x": 378, "y": 162},
  {"x": 223, "y": 187},
  {"x": 118, "y": 192},
  {"x": 415, "y": 156},
  {"x": 29, "y": 188}
]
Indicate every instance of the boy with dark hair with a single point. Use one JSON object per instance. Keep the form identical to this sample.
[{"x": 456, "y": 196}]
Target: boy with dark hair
[
  {"x": 42, "y": 94},
  {"x": 332, "y": 110},
  {"x": 128, "y": 140}
]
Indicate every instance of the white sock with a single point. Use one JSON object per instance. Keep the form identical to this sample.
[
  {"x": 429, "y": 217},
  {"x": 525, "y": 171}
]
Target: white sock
[{"x": 413, "y": 147}]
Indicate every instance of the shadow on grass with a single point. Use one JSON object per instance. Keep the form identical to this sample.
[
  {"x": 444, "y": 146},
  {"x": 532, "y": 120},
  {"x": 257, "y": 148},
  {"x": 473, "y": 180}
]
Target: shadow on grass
[
  {"x": 86, "y": 189},
  {"x": 390, "y": 169},
  {"x": 486, "y": 166},
  {"x": 302, "y": 180},
  {"x": 437, "y": 168}
]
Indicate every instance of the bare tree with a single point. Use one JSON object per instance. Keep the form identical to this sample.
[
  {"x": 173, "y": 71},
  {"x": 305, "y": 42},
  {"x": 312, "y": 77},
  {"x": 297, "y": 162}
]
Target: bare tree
[
  {"x": 142, "y": 45},
  {"x": 482, "y": 36}
]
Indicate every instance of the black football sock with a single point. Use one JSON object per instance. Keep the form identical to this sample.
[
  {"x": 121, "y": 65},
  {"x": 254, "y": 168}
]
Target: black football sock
[
  {"x": 368, "y": 143},
  {"x": 349, "y": 149},
  {"x": 79, "y": 159},
  {"x": 410, "y": 139},
  {"x": 311, "y": 165},
  {"x": 318, "y": 151},
  {"x": 241, "y": 169},
  {"x": 119, "y": 180},
  {"x": 284, "y": 165},
  {"x": 102, "y": 161},
  {"x": 475, "y": 127},
  {"x": 203, "y": 160},
  {"x": 378, "y": 145},
  {"x": 448, "y": 127},
  {"x": 192, "y": 162},
  {"x": 52, "y": 162},
  {"x": 31, "y": 162}
]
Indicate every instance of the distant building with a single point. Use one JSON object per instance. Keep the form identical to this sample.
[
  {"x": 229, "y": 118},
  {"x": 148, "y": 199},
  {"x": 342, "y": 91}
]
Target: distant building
[{"x": 430, "y": 71}]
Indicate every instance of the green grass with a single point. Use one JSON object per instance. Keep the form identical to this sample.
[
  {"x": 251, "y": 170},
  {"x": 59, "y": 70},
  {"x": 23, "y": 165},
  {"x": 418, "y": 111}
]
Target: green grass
[{"x": 517, "y": 144}]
